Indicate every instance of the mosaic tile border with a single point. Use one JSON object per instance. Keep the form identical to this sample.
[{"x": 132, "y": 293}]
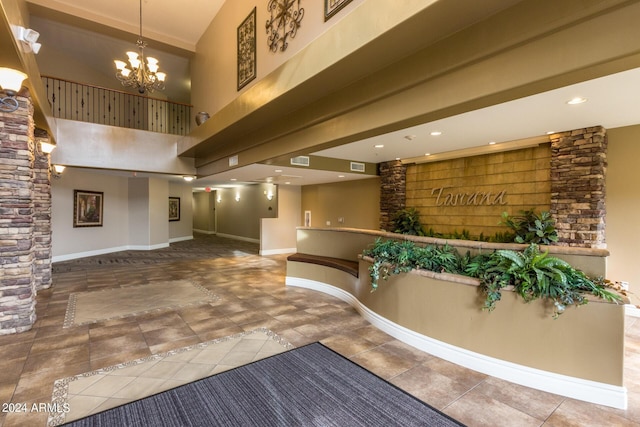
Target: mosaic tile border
[
  {"x": 70, "y": 314},
  {"x": 60, "y": 393}
]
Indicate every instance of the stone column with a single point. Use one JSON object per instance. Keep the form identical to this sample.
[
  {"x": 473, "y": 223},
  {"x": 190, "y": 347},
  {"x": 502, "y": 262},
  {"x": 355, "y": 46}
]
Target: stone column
[
  {"x": 17, "y": 283},
  {"x": 393, "y": 191},
  {"x": 578, "y": 168},
  {"x": 42, "y": 214}
]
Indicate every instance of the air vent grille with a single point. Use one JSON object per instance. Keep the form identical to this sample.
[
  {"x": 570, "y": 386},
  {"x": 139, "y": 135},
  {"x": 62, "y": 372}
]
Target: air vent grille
[
  {"x": 357, "y": 167},
  {"x": 300, "y": 161}
]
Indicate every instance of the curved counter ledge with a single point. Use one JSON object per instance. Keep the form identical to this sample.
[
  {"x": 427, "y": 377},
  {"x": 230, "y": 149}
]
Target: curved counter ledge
[{"x": 442, "y": 315}]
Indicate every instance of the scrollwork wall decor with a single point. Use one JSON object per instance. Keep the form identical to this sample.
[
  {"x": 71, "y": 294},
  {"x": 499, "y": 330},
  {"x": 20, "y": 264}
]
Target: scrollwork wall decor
[{"x": 286, "y": 16}]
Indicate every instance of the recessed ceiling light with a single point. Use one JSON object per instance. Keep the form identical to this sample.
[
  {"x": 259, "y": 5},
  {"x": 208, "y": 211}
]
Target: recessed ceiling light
[
  {"x": 427, "y": 154},
  {"x": 577, "y": 100},
  {"x": 188, "y": 178},
  {"x": 288, "y": 182},
  {"x": 233, "y": 179},
  {"x": 340, "y": 176},
  {"x": 278, "y": 170},
  {"x": 492, "y": 143},
  {"x": 410, "y": 137},
  {"x": 378, "y": 146},
  {"x": 436, "y": 133},
  {"x": 551, "y": 132},
  {"x": 397, "y": 158}
]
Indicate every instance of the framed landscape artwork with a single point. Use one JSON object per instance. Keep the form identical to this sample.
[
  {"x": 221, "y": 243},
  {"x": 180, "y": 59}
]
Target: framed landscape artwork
[
  {"x": 174, "y": 208},
  {"x": 87, "y": 208}
]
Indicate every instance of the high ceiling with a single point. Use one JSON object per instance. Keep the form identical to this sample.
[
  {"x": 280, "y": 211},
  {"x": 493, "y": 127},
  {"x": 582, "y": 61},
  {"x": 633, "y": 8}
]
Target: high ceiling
[{"x": 610, "y": 103}]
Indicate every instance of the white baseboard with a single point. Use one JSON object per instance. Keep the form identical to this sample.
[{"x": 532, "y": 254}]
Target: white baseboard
[
  {"x": 576, "y": 388},
  {"x": 180, "y": 239},
  {"x": 195, "y": 230},
  {"x": 148, "y": 247},
  {"x": 68, "y": 257},
  {"x": 234, "y": 237},
  {"x": 277, "y": 251},
  {"x": 77, "y": 255},
  {"x": 631, "y": 310}
]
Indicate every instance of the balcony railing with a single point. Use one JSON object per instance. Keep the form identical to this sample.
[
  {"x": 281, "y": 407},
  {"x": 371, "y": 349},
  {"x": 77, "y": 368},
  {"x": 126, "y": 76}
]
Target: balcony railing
[{"x": 93, "y": 104}]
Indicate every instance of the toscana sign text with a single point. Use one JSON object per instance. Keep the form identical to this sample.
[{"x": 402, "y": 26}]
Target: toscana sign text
[{"x": 477, "y": 198}]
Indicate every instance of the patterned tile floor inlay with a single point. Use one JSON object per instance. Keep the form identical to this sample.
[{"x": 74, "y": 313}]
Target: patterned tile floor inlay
[
  {"x": 116, "y": 385},
  {"x": 94, "y": 306}
]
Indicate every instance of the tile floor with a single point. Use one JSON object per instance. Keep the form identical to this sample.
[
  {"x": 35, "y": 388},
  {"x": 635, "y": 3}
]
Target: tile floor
[{"x": 252, "y": 295}]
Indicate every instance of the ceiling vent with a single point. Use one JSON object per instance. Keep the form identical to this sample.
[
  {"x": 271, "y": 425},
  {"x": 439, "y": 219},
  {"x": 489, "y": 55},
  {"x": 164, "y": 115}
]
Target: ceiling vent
[
  {"x": 300, "y": 161},
  {"x": 357, "y": 167}
]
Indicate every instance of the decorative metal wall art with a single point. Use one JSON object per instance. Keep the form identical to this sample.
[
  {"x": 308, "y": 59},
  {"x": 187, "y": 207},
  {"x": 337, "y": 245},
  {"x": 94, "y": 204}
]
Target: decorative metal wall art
[
  {"x": 286, "y": 16},
  {"x": 247, "y": 50},
  {"x": 331, "y": 7}
]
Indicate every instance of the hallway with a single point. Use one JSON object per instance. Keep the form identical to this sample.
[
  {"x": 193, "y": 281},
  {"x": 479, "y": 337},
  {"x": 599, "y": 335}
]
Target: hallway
[{"x": 251, "y": 294}]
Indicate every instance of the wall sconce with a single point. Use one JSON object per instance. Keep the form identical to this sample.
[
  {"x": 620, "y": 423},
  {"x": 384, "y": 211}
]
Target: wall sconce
[
  {"x": 237, "y": 197},
  {"x": 219, "y": 198},
  {"x": 46, "y": 147},
  {"x": 11, "y": 83},
  {"x": 269, "y": 194},
  {"x": 56, "y": 170}
]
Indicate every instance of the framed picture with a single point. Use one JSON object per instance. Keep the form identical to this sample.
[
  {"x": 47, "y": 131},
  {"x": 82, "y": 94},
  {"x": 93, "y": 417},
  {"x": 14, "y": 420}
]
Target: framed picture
[
  {"x": 87, "y": 208},
  {"x": 247, "y": 50},
  {"x": 331, "y": 7},
  {"x": 174, "y": 208}
]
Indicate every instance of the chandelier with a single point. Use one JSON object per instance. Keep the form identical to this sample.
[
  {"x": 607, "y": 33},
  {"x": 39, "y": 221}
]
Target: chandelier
[{"x": 141, "y": 75}]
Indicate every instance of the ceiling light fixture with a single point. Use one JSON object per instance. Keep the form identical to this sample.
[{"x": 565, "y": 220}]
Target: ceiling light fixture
[
  {"x": 142, "y": 76},
  {"x": 492, "y": 143},
  {"x": 577, "y": 100},
  {"x": 188, "y": 178},
  {"x": 436, "y": 133},
  {"x": 378, "y": 146}
]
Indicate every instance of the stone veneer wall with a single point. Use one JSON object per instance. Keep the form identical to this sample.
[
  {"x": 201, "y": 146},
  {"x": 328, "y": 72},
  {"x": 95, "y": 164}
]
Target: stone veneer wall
[
  {"x": 393, "y": 187},
  {"x": 24, "y": 220},
  {"x": 578, "y": 169},
  {"x": 42, "y": 215}
]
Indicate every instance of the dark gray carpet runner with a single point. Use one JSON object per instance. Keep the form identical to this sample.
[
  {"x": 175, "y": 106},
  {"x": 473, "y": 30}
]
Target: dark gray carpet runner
[{"x": 307, "y": 386}]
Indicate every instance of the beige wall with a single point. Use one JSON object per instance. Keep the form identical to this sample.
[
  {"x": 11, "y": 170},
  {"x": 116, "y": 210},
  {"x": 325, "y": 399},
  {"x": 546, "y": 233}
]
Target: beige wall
[
  {"x": 183, "y": 229},
  {"x": 114, "y": 233},
  {"x": 623, "y": 205},
  {"x": 357, "y": 202},
  {"x": 242, "y": 218},
  {"x": 278, "y": 235},
  {"x": 215, "y": 63},
  {"x": 135, "y": 214},
  {"x": 203, "y": 215}
]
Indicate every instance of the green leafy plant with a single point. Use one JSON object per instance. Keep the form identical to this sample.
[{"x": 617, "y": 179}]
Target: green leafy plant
[
  {"x": 530, "y": 227},
  {"x": 533, "y": 274},
  {"x": 407, "y": 221}
]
